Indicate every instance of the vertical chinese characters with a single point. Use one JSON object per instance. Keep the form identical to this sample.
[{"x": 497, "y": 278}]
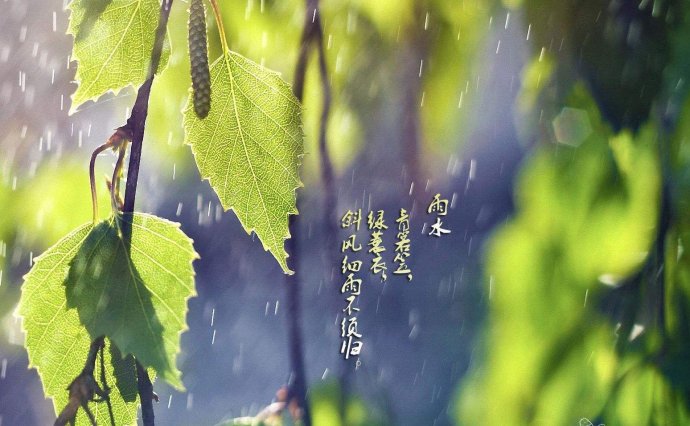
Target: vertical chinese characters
[
  {"x": 376, "y": 225},
  {"x": 351, "y": 339},
  {"x": 440, "y": 207},
  {"x": 402, "y": 245}
]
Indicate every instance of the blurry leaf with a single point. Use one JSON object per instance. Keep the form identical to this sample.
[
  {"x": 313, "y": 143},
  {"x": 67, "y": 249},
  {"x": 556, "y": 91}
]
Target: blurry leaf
[
  {"x": 249, "y": 147},
  {"x": 599, "y": 206},
  {"x": 677, "y": 256},
  {"x": 584, "y": 215},
  {"x": 388, "y": 15},
  {"x": 113, "y": 40},
  {"x": 325, "y": 400},
  {"x": 450, "y": 71},
  {"x": 56, "y": 201},
  {"x": 88, "y": 285},
  {"x": 644, "y": 397},
  {"x": 530, "y": 103},
  {"x": 678, "y": 71},
  {"x": 632, "y": 403},
  {"x": 676, "y": 271},
  {"x": 325, "y": 403}
]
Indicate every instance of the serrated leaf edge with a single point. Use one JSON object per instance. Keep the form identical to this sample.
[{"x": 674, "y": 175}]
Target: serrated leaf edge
[
  {"x": 195, "y": 256},
  {"x": 74, "y": 107},
  {"x": 189, "y": 107}
]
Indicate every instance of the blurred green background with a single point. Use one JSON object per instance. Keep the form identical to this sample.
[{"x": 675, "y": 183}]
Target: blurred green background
[{"x": 558, "y": 128}]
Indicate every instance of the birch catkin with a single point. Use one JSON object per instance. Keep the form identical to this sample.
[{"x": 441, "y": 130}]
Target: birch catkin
[{"x": 198, "y": 55}]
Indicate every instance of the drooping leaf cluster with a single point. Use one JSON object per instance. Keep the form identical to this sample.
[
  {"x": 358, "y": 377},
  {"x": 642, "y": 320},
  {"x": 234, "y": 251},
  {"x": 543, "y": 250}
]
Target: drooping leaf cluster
[{"x": 95, "y": 283}]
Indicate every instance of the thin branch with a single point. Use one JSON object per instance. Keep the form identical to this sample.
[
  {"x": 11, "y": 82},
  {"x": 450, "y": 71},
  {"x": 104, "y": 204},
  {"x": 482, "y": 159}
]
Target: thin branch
[
  {"x": 135, "y": 127},
  {"x": 327, "y": 175},
  {"x": 416, "y": 51},
  {"x": 90, "y": 363},
  {"x": 298, "y": 387},
  {"x": 114, "y": 142},
  {"x": 328, "y": 184},
  {"x": 137, "y": 120},
  {"x": 146, "y": 395},
  {"x": 312, "y": 35}
]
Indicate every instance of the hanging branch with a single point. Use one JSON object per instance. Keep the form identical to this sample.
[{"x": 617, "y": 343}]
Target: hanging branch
[
  {"x": 298, "y": 387},
  {"x": 327, "y": 179},
  {"x": 415, "y": 53},
  {"x": 135, "y": 127},
  {"x": 312, "y": 36},
  {"x": 327, "y": 176}
]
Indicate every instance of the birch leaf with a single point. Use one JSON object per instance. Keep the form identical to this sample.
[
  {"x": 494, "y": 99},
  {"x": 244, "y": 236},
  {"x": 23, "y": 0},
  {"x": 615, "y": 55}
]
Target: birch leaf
[
  {"x": 87, "y": 285},
  {"x": 249, "y": 147},
  {"x": 113, "y": 40}
]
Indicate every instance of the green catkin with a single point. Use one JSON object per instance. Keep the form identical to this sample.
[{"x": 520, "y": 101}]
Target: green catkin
[{"x": 198, "y": 54}]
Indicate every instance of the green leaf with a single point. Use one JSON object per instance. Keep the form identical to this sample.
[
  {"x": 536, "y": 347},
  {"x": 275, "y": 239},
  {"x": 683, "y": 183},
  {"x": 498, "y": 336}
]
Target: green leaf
[
  {"x": 113, "y": 40},
  {"x": 58, "y": 344},
  {"x": 47, "y": 215},
  {"x": 585, "y": 220},
  {"x": 249, "y": 147},
  {"x": 86, "y": 286},
  {"x": 139, "y": 301}
]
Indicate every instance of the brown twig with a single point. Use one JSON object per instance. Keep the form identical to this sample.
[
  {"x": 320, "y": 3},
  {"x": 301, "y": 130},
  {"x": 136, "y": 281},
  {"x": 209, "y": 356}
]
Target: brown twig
[
  {"x": 137, "y": 119},
  {"x": 135, "y": 127},
  {"x": 312, "y": 37},
  {"x": 415, "y": 53},
  {"x": 115, "y": 141},
  {"x": 327, "y": 175}
]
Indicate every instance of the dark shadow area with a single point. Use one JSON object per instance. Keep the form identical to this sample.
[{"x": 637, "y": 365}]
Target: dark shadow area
[
  {"x": 125, "y": 373},
  {"x": 103, "y": 272}
]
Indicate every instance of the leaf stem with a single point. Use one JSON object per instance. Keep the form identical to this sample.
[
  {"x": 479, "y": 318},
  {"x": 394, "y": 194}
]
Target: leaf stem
[
  {"x": 219, "y": 23},
  {"x": 92, "y": 179},
  {"x": 115, "y": 141}
]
